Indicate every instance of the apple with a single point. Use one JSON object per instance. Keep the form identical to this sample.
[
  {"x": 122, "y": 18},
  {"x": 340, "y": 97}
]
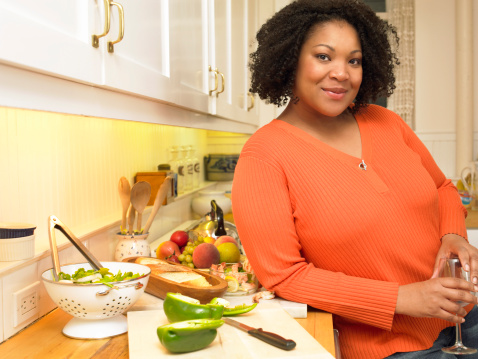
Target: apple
[
  {"x": 166, "y": 249},
  {"x": 180, "y": 238}
]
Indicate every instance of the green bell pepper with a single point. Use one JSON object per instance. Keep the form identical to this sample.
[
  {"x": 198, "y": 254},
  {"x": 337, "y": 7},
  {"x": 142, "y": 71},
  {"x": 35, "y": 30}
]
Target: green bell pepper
[
  {"x": 238, "y": 309},
  {"x": 178, "y": 307},
  {"x": 189, "y": 335},
  {"x": 231, "y": 311}
]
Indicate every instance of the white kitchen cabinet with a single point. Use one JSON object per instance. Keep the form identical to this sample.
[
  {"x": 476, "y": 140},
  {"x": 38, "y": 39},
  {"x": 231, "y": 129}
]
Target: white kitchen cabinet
[
  {"x": 53, "y": 37},
  {"x": 189, "y": 21},
  {"x": 139, "y": 63},
  {"x": 162, "y": 51}
]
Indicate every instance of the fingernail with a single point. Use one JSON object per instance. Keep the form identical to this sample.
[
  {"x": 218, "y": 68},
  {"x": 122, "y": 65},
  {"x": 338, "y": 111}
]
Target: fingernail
[
  {"x": 467, "y": 267},
  {"x": 475, "y": 280},
  {"x": 475, "y": 288}
]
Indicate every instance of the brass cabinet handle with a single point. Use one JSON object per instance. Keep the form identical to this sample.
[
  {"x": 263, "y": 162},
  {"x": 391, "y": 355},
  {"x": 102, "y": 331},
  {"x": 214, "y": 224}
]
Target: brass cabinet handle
[
  {"x": 95, "y": 39},
  {"x": 215, "y": 80},
  {"x": 121, "y": 23},
  {"x": 252, "y": 101},
  {"x": 223, "y": 81}
]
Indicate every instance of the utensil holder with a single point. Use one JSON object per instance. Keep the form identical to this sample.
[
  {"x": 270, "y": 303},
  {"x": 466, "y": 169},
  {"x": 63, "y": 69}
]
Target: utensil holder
[{"x": 130, "y": 245}]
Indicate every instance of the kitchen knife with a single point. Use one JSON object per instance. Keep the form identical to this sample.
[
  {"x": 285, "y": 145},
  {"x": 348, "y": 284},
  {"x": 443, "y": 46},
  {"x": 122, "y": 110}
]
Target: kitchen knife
[{"x": 268, "y": 337}]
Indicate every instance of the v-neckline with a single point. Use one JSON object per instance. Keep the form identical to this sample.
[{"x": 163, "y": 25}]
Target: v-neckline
[
  {"x": 365, "y": 141},
  {"x": 364, "y": 164}
]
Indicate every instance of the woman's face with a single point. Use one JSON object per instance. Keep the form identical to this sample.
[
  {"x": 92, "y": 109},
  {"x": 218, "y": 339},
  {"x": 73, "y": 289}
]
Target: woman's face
[{"x": 329, "y": 71}]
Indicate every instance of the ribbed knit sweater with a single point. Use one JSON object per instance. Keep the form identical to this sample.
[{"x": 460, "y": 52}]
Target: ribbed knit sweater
[{"x": 320, "y": 230}]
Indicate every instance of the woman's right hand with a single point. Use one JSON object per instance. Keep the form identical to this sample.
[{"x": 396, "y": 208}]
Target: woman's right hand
[{"x": 436, "y": 298}]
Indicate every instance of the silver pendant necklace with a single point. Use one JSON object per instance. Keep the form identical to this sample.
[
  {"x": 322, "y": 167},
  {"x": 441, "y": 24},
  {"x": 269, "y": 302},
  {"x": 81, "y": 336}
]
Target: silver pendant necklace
[{"x": 362, "y": 165}]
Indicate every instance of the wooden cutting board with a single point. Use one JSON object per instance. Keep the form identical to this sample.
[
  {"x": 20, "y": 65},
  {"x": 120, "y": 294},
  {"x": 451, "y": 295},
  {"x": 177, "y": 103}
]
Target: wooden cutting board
[{"x": 230, "y": 342}]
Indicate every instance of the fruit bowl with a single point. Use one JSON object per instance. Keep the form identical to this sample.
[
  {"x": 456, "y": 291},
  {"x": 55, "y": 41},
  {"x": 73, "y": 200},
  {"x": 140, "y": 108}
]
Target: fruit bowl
[
  {"x": 239, "y": 281},
  {"x": 97, "y": 308}
]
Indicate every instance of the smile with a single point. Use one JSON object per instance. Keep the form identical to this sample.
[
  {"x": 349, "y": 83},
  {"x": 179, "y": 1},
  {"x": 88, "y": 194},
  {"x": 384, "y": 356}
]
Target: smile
[{"x": 335, "y": 93}]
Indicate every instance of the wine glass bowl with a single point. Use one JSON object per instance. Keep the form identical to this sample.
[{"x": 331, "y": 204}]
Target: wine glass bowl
[{"x": 451, "y": 267}]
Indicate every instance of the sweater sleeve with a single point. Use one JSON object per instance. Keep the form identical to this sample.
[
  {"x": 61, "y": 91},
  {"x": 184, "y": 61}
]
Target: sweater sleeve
[
  {"x": 264, "y": 218},
  {"x": 452, "y": 212}
]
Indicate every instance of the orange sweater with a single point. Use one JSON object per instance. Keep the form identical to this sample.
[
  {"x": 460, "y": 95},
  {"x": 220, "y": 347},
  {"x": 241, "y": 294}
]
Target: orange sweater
[{"x": 319, "y": 230}]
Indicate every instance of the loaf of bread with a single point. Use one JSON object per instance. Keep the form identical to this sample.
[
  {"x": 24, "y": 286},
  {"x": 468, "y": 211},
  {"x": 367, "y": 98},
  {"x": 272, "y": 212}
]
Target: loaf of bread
[{"x": 176, "y": 273}]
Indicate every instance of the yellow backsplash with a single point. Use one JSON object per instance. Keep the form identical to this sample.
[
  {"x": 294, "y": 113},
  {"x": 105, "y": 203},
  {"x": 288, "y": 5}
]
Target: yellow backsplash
[{"x": 69, "y": 165}]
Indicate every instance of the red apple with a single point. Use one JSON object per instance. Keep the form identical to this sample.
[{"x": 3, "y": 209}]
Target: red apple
[
  {"x": 166, "y": 249},
  {"x": 180, "y": 238}
]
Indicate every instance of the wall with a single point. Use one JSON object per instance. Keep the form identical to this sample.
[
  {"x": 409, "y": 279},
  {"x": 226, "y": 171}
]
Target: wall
[
  {"x": 70, "y": 166},
  {"x": 435, "y": 80}
]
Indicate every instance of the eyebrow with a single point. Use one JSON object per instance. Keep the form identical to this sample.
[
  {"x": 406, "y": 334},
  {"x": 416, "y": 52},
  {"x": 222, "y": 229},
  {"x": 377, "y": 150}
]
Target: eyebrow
[{"x": 331, "y": 48}]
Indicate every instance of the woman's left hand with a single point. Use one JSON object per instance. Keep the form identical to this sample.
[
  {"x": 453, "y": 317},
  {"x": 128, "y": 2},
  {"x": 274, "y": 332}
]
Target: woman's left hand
[{"x": 454, "y": 245}]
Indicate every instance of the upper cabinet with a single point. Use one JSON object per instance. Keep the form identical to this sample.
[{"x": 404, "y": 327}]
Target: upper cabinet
[
  {"x": 52, "y": 37},
  {"x": 188, "y": 53},
  {"x": 136, "y": 49}
]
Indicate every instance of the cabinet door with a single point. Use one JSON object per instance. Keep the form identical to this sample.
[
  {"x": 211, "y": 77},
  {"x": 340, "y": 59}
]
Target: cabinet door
[
  {"x": 140, "y": 62},
  {"x": 230, "y": 57},
  {"x": 189, "y": 53},
  {"x": 253, "y": 21},
  {"x": 53, "y": 37}
]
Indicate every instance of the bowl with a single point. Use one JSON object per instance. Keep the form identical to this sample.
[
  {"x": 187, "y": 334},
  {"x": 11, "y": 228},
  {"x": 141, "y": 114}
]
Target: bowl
[
  {"x": 159, "y": 286},
  {"x": 239, "y": 281},
  {"x": 97, "y": 309}
]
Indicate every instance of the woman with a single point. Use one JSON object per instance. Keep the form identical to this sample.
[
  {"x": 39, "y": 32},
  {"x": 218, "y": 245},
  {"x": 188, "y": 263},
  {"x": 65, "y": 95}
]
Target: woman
[{"x": 338, "y": 204}]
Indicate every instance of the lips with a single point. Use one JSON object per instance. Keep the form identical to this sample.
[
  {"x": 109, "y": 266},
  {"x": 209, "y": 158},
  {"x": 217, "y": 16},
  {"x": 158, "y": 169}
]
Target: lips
[{"x": 336, "y": 93}]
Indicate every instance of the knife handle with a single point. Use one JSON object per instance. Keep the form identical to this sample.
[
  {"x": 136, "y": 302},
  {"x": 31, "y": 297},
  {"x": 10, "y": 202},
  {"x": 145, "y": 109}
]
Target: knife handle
[{"x": 273, "y": 339}]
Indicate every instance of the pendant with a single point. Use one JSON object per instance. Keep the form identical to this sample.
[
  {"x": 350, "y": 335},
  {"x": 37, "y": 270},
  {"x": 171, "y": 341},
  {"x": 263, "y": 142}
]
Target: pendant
[{"x": 362, "y": 165}]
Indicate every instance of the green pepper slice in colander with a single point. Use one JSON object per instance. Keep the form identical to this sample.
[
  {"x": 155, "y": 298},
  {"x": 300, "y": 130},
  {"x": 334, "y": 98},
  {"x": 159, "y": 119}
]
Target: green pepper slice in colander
[
  {"x": 189, "y": 335},
  {"x": 178, "y": 307}
]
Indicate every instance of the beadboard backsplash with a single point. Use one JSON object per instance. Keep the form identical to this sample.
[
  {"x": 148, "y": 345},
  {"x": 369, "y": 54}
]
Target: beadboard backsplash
[{"x": 70, "y": 165}]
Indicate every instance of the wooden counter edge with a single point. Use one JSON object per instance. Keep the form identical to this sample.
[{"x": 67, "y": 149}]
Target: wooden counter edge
[{"x": 44, "y": 339}]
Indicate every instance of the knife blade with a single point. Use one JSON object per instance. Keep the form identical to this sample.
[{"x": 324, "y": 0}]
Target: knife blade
[{"x": 268, "y": 337}]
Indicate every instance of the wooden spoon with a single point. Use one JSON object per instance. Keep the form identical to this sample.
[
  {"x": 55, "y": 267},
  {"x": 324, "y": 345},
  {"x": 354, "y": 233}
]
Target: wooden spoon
[
  {"x": 160, "y": 196},
  {"x": 140, "y": 194},
  {"x": 131, "y": 216},
  {"x": 124, "y": 190}
]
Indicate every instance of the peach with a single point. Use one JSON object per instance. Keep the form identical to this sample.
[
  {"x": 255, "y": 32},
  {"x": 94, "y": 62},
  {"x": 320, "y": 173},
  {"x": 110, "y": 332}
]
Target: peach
[
  {"x": 209, "y": 240},
  {"x": 205, "y": 255},
  {"x": 225, "y": 239}
]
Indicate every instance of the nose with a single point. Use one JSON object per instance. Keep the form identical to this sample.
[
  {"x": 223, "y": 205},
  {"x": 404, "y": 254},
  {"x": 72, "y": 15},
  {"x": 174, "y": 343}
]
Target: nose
[{"x": 339, "y": 72}]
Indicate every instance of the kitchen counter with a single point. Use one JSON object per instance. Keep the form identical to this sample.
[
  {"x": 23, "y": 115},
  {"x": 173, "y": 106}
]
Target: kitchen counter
[
  {"x": 472, "y": 219},
  {"x": 44, "y": 339}
]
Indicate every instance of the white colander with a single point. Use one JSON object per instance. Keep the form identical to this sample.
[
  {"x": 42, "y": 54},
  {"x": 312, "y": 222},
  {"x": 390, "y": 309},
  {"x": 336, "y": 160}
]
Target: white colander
[{"x": 97, "y": 309}]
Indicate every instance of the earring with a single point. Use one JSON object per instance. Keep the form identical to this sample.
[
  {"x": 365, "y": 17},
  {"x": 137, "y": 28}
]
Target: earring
[{"x": 295, "y": 100}]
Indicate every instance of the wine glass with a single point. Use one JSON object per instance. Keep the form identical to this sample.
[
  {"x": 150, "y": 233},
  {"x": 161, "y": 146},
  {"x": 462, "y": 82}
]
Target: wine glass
[{"x": 451, "y": 267}]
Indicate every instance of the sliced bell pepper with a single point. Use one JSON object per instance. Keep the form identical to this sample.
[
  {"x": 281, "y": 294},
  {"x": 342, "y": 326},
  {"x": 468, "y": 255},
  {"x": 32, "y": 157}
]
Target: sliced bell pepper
[
  {"x": 238, "y": 309},
  {"x": 231, "y": 311},
  {"x": 189, "y": 335},
  {"x": 178, "y": 307}
]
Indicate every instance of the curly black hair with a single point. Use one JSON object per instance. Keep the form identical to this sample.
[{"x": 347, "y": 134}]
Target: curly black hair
[{"x": 273, "y": 65}]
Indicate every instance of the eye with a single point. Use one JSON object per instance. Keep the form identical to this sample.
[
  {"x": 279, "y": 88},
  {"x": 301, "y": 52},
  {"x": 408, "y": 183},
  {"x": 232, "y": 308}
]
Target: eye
[
  {"x": 322, "y": 57},
  {"x": 356, "y": 62}
]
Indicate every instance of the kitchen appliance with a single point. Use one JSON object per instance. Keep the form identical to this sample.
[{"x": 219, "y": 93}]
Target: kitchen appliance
[
  {"x": 96, "y": 309},
  {"x": 214, "y": 225},
  {"x": 220, "y": 167}
]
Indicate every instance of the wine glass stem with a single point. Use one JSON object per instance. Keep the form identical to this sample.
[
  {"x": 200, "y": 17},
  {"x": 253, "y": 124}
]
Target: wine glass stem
[{"x": 458, "y": 334}]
